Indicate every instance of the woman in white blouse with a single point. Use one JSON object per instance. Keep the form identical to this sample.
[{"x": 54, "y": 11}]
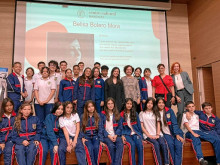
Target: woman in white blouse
[{"x": 183, "y": 88}]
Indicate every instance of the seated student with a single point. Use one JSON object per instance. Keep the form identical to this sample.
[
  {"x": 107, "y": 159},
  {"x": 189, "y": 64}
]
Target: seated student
[
  {"x": 150, "y": 123},
  {"x": 51, "y": 134},
  {"x": 26, "y": 135},
  {"x": 195, "y": 134},
  {"x": 132, "y": 134},
  {"x": 7, "y": 119},
  {"x": 99, "y": 85},
  {"x": 70, "y": 124},
  {"x": 15, "y": 86},
  {"x": 208, "y": 122},
  {"x": 104, "y": 72},
  {"x": 112, "y": 131},
  {"x": 171, "y": 131},
  {"x": 66, "y": 87},
  {"x": 91, "y": 133}
]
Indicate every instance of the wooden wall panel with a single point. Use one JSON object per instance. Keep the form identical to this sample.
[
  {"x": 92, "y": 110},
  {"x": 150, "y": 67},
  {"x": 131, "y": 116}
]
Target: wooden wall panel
[
  {"x": 216, "y": 83},
  {"x": 7, "y": 8}
]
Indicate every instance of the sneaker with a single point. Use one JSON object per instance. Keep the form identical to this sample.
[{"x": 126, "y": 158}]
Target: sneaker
[{"x": 203, "y": 162}]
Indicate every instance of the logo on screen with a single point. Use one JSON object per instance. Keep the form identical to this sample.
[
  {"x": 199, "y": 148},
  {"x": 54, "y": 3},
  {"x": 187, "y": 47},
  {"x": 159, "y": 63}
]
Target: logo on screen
[{"x": 81, "y": 14}]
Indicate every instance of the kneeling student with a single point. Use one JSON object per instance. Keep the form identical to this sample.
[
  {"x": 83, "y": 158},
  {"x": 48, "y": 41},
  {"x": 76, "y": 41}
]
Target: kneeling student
[{"x": 191, "y": 122}]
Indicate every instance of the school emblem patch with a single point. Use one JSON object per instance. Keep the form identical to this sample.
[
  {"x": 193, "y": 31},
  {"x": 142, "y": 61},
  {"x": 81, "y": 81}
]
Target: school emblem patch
[
  {"x": 213, "y": 121},
  {"x": 49, "y": 83},
  {"x": 55, "y": 78},
  {"x": 168, "y": 115},
  {"x": 34, "y": 126},
  {"x": 98, "y": 82},
  {"x": 74, "y": 122}
]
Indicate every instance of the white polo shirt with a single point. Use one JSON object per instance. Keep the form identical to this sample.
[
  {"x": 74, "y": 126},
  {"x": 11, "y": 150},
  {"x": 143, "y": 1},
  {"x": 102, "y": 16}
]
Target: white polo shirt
[
  {"x": 69, "y": 123},
  {"x": 193, "y": 122},
  {"x": 149, "y": 121},
  {"x": 165, "y": 129},
  {"x": 29, "y": 88},
  {"x": 109, "y": 126},
  {"x": 44, "y": 88},
  {"x": 149, "y": 88}
]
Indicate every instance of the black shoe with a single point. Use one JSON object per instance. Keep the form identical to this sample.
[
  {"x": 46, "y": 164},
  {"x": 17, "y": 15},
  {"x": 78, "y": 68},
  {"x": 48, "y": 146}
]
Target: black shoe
[{"x": 203, "y": 162}]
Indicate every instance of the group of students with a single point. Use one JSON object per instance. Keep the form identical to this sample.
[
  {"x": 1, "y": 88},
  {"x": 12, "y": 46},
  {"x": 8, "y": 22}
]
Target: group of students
[{"x": 71, "y": 115}]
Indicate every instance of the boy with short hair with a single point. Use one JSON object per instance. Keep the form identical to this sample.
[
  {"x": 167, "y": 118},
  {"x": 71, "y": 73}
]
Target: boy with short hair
[
  {"x": 97, "y": 65},
  {"x": 81, "y": 68},
  {"x": 63, "y": 67},
  {"x": 75, "y": 72},
  {"x": 191, "y": 122},
  {"x": 15, "y": 86},
  {"x": 104, "y": 72},
  {"x": 38, "y": 75}
]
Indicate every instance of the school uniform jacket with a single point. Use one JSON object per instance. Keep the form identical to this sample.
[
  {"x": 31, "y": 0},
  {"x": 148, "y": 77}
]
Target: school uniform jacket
[
  {"x": 14, "y": 86},
  {"x": 66, "y": 90},
  {"x": 30, "y": 130},
  {"x": 117, "y": 125},
  {"x": 83, "y": 92},
  {"x": 52, "y": 129},
  {"x": 172, "y": 122},
  {"x": 91, "y": 129},
  {"x": 206, "y": 123},
  {"x": 135, "y": 125},
  {"x": 143, "y": 88},
  {"x": 99, "y": 89},
  {"x": 6, "y": 126}
]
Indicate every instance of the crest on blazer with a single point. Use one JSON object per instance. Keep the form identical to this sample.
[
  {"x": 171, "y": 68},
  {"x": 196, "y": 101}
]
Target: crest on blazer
[
  {"x": 98, "y": 82},
  {"x": 168, "y": 115},
  {"x": 213, "y": 121},
  {"x": 34, "y": 126}
]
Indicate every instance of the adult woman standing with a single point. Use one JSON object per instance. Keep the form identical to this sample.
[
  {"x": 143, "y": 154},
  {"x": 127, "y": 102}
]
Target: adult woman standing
[
  {"x": 163, "y": 86},
  {"x": 183, "y": 88},
  {"x": 114, "y": 88},
  {"x": 131, "y": 85}
]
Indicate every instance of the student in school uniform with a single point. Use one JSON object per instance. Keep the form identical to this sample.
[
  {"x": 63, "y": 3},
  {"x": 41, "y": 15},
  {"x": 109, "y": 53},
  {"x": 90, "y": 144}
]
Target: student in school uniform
[
  {"x": 83, "y": 90},
  {"x": 104, "y": 72},
  {"x": 70, "y": 124},
  {"x": 67, "y": 87},
  {"x": 55, "y": 76},
  {"x": 50, "y": 138},
  {"x": 28, "y": 82},
  {"x": 113, "y": 131},
  {"x": 15, "y": 86},
  {"x": 150, "y": 123},
  {"x": 63, "y": 67},
  {"x": 26, "y": 135},
  {"x": 91, "y": 133},
  {"x": 44, "y": 90},
  {"x": 75, "y": 72},
  {"x": 81, "y": 68},
  {"x": 137, "y": 73},
  {"x": 171, "y": 131},
  {"x": 208, "y": 122},
  {"x": 97, "y": 65},
  {"x": 99, "y": 85},
  {"x": 38, "y": 75},
  {"x": 7, "y": 119},
  {"x": 132, "y": 134},
  {"x": 191, "y": 122}
]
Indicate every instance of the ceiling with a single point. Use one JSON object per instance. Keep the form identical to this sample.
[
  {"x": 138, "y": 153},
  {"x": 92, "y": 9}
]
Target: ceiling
[{"x": 180, "y": 1}]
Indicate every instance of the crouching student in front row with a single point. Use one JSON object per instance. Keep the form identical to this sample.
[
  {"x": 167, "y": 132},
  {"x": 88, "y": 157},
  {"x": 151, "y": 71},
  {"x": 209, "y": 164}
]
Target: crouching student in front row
[
  {"x": 112, "y": 131},
  {"x": 70, "y": 124},
  {"x": 7, "y": 119},
  {"x": 91, "y": 133},
  {"x": 150, "y": 123},
  {"x": 51, "y": 134},
  {"x": 26, "y": 135},
  {"x": 132, "y": 133},
  {"x": 191, "y": 122},
  {"x": 171, "y": 131}
]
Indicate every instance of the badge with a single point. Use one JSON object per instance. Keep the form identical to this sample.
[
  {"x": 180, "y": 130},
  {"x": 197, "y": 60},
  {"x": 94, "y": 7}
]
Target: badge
[
  {"x": 74, "y": 122},
  {"x": 213, "y": 121},
  {"x": 49, "y": 83},
  {"x": 55, "y": 78},
  {"x": 168, "y": 115},
  {"x": 98, "y": 82},
  {"x": 34, "y": 126}
]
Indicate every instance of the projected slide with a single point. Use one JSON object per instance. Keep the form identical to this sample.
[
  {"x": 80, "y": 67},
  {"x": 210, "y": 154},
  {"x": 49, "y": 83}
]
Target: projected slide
[{"x": 113, "y": 37}]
